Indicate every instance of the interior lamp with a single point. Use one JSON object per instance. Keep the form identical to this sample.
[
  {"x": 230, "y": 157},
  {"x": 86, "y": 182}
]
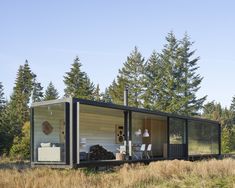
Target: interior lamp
[
  {"x": 146, "y": 133},
  {"x": 138, "y": 132}
]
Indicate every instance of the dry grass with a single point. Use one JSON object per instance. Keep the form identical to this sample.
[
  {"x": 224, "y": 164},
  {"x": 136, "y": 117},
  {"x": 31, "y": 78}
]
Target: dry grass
[{"x": 212, "y": 173}]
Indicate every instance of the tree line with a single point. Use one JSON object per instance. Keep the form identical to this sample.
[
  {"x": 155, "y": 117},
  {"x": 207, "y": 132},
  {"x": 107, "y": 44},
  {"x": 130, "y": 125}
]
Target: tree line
[{"x": 167, "y": 81}]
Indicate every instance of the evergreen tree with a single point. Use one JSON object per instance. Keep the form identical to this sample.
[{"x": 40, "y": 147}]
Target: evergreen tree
[
  {"x": 227, "y": 130},
  {"x": 189, "y": 80},
  {"x": 170, "y": 78},
  {"x": 51, "y": 92},
  {"x": 3, "y": 129},
  {"x": 6, "y": 131},
  {"x": 232, "y": 106},
  {"x": 97, "y": 95},
  {"x": 2, "y": 106},
  {"x": 37, "y": 94},
  {"x": 232, "y": 109},
  {"x": 167, "y": 96},
  {"x": 214, "y": 111},
  {"x": 105, "y": 97},
  {"x": 16, "y": 112},
  {"x": 116, "y": 90},
  {"x": 2, "y": 98},
  {"x": 152, "y": 82},
  {"x": 78, "y": 83},
  {"x": 130, "y": 76},
  {"x": 18, "y": 105}
]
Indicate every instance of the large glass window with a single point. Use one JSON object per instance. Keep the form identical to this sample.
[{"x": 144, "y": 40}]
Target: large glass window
[
  {"x": 101, "y": 133},
  {"x": 203, "y": 138},
  {"x": 49, "y": 133},
  {"x": 177, "y": 135},
  {"x": 149, "y": 133},
  {"x": 177, "y": 131}
]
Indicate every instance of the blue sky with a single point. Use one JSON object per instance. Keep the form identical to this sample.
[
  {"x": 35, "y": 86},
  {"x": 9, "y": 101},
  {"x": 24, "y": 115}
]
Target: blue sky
[{"x": 103, "y": 33}]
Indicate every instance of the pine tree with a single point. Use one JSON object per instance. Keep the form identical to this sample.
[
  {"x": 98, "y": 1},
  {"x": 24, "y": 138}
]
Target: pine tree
[
  {"x": 170, "y": 78},
  {"x": 189, "y": 80},
  {"x": 2, "y": 98},
  {"x": 130, "y": 76},
  {"x": 152, "y": 82},
  {"x": 78, "y": 83},
  {"x": 37, "y": 94},
  {"x": 232, "y": 106},
  {"x": 232, "y": 109},
  {"x": 2, "y": 113},
  {"x": 96, "y": 94},
  {"x": 214, "y": 111},
  {"x": 19, "y": 110},
  {"x": 3, "y": 134},
  {"x": 51, "y": 92},
  {"x": 168, "y": 99},
  {"x": 227, "y": 130},
  {"x": 116, "y": 90},
  {"x": 105, "y": 97},
  {"x": 6, "y": 131},
  {"x": 16, "y": 112}
]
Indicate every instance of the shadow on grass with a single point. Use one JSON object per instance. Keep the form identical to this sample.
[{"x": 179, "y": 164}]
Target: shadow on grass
[
  {"x": 20, "y": 165},
  {"x": 97, "y": 170}
]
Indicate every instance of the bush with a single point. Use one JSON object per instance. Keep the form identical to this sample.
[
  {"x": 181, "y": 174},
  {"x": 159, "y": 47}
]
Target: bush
[
  {"x": 21, "y": 144},
  {"x": 226, "y": 140}
]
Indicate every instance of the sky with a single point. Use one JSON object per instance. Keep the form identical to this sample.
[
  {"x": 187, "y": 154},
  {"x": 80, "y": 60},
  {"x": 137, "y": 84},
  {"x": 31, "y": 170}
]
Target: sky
[{"x": 50, "y": 34}]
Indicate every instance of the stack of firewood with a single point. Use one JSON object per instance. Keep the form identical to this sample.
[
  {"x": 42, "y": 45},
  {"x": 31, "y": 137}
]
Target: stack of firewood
[{"x": 97, "y": 152}]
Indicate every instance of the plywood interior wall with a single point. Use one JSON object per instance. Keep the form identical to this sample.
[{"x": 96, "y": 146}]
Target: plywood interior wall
[
  {"x": 158, "y": 136},
  {"x": 99, "y": 129},
  {"x": 98, "y": 126},
  {"x": 158, "y": 133},
  {"x": 55, "y": 119}
]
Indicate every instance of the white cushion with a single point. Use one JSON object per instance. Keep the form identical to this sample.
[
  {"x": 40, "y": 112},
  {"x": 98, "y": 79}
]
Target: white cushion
[{"x": 46, "y": 144}]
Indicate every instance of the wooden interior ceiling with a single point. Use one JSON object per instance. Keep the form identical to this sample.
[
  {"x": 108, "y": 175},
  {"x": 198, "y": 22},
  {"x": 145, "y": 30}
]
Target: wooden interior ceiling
[
  {"x": 100, "y": 110},
  {"x": 138, "y": 115},
  {"x": 117, "y": 113}
]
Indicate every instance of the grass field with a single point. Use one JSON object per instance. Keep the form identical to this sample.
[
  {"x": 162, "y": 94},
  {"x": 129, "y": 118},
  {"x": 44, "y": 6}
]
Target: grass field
[{"x": 212, "y": 173}]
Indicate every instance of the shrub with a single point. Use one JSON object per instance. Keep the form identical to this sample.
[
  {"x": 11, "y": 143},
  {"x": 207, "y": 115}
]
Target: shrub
[
  {"x": 226, "y": 140},
  {"x": 21, "y": 144}
]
